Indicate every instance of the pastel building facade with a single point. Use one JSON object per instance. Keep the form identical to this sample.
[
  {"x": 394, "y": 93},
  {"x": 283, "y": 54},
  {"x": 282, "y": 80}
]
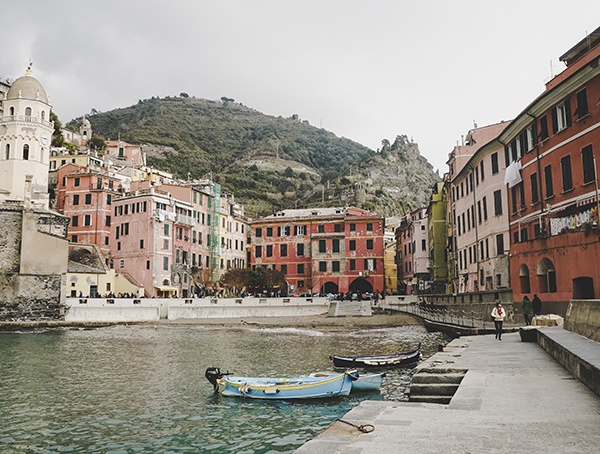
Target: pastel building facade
[
  {"x": 412, "y": 239},
  {"x": 322, "y": 250},
  {"x": 86, "y": 196},
  {"x": 477, "y": 213},
  {"x": 177, "y": 238},
  {"x": 438, "y": 239}
]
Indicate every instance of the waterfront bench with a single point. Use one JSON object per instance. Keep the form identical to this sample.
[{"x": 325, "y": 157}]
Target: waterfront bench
[{"x": 576, "y": 353}]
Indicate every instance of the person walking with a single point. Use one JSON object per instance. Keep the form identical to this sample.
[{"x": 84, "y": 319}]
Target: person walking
[
  {"x": 526, "y": 310},
  {"x": 498, "y": 314},
  {"x": 537, "y": 305}
]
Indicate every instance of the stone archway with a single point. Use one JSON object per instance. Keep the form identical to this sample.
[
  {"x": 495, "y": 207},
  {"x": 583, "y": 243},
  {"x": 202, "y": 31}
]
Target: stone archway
[
  {"x": 329, "y": 287},
  {"x": 360, "y": 285}
]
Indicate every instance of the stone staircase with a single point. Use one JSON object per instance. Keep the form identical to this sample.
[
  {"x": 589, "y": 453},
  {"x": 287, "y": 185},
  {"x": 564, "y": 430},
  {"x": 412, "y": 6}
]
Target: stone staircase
[
  {"x": 435, "y": 385},
  {"x": 350, "y": 309}
]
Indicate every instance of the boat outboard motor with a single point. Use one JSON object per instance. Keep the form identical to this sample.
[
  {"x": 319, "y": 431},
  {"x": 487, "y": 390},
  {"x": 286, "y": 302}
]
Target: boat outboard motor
[{"x": 213, "y": 374}]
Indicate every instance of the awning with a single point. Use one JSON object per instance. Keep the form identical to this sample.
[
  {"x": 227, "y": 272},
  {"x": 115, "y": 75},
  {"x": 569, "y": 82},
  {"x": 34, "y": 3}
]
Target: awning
[{"x": 167, "y": 289}]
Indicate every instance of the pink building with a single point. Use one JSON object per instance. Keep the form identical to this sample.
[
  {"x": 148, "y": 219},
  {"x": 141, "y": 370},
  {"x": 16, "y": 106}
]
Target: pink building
[
  {"x": 177, "y": 238},
  {"x": 121, "y": 152},
  {"x": 412, "y": 242}
]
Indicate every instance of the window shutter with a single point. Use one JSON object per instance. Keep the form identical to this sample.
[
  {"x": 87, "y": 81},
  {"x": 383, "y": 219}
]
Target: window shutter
[
  {"x": 582, "y": 107},
  {"x": 554, "y": 120},
  {"x": 544, "y": 127},
  {"x": 568, "y": 111},
  {"x": 524, "y": 146}
]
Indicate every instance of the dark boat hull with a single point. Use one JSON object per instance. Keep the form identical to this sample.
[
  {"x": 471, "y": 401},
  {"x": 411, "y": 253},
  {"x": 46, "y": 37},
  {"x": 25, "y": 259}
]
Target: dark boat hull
[{"x": 378, "y": 361}]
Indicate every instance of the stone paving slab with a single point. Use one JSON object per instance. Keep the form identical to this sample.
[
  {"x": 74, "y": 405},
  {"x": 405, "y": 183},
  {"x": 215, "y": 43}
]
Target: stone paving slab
[{"x": 515, "y": 398}]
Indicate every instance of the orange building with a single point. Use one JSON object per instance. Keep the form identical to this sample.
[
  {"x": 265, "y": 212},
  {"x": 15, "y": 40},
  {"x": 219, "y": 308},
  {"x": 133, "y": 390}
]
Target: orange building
[
  {"x": 322, "y": 250},
  {"x": 551, "y": 151},
  {"x": 85, "y": 196}
]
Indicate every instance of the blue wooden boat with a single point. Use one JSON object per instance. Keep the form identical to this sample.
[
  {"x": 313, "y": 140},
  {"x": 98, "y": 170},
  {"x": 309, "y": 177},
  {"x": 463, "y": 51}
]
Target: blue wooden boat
[{"x": 304, "y": 387}]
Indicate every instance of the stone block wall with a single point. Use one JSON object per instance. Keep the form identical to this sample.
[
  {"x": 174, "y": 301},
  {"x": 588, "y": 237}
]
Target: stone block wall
[
  {"x": 10, "y": 240},
  {"x": 27, "y": 297},
  {"x": 583, "y": 317},
  {"x": 30, "y": 298}
]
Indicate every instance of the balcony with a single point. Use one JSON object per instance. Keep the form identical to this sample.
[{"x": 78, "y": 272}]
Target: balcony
[{"x": 185, "y": 220}]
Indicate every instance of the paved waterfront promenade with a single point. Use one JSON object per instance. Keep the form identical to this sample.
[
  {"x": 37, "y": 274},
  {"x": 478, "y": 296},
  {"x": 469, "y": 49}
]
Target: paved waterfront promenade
[{"x": 515, "y": 398}]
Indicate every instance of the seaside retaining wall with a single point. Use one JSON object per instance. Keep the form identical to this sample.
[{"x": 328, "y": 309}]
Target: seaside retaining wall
[
  {"x": 29, "y": 293},
  {"x": 154, "y": 309},
  {"x": 583, "y": 317}
]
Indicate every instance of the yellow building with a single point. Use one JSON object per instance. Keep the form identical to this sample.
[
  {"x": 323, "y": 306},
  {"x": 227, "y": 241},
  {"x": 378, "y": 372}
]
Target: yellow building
[{"x": 390, "y": 268}]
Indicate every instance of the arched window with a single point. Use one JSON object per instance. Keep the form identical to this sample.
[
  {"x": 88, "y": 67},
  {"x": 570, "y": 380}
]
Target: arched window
[
  {"x": 7, "y": 151},
  {"x": 25, "y": 152},
  {"x": 524, "y": 279},
  {"x": 546, "y": 276},
  {"x": 28, "y": 111},
  {"x": 12, "y": 111},
  {"x": 43, "y": 114}
]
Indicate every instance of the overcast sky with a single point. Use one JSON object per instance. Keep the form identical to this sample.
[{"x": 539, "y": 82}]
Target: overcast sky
[{"x": 365, "y": 70}]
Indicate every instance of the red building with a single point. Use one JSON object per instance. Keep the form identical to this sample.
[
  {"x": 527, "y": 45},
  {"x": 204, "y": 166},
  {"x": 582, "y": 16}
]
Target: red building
[
  {"x": 322, "y": 250},
  {"x": 551, "y": 151}
]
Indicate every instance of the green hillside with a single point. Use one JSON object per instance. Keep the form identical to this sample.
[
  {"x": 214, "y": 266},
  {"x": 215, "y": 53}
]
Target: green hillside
[{"x": 269, "y": 163}]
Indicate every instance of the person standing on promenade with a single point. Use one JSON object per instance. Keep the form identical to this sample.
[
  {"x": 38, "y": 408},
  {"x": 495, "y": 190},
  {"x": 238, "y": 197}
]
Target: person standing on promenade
[
  {"x": 498, "y": 314},
  {"x": 537, "y": 305},
  {"x": 526, "y": 310}
]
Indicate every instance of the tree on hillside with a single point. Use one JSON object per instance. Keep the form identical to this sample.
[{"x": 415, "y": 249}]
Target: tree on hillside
[
  {"x": 97, "y": 143},
  {"x": 57, "y": 138}
]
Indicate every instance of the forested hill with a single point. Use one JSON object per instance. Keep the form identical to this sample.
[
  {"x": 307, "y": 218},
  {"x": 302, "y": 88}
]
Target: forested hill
[{"x": 269, "y": 163}]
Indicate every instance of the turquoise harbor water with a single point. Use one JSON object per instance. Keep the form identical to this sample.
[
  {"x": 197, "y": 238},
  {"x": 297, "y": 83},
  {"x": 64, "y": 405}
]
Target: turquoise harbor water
[{"x": 134, "y": 389}]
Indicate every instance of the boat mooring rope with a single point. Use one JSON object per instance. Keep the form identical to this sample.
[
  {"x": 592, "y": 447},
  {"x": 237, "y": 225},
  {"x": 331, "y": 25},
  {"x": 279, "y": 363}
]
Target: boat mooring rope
[{"x": 364, "y": 428}]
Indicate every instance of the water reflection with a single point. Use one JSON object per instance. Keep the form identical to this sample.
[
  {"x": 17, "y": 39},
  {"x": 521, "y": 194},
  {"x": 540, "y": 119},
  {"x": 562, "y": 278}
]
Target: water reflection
[{"x": 142, "y": 389}]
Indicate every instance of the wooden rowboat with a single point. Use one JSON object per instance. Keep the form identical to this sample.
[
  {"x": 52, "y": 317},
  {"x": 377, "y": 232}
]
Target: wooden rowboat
[
  {"x": 304, "y": 387},
  {"x": 364, "y": 382},
  {"x": 378, "y": 361}
]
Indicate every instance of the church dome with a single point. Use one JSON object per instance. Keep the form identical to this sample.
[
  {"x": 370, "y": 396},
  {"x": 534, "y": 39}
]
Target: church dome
[{"x": 27, "y": 87}]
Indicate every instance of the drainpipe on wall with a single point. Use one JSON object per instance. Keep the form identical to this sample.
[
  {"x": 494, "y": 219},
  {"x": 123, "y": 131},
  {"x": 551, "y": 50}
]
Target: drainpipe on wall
[{"x": 477, "y": 255}]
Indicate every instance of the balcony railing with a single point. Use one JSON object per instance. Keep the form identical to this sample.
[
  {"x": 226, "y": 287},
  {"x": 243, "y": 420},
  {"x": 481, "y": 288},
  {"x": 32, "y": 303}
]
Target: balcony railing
[
  {"x": 184, "y": 219},
  {"x": 26, "y": 119}
]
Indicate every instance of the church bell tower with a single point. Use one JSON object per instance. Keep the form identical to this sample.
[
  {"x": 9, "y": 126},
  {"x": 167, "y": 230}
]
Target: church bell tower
[{"x": 25, "y": 135}]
